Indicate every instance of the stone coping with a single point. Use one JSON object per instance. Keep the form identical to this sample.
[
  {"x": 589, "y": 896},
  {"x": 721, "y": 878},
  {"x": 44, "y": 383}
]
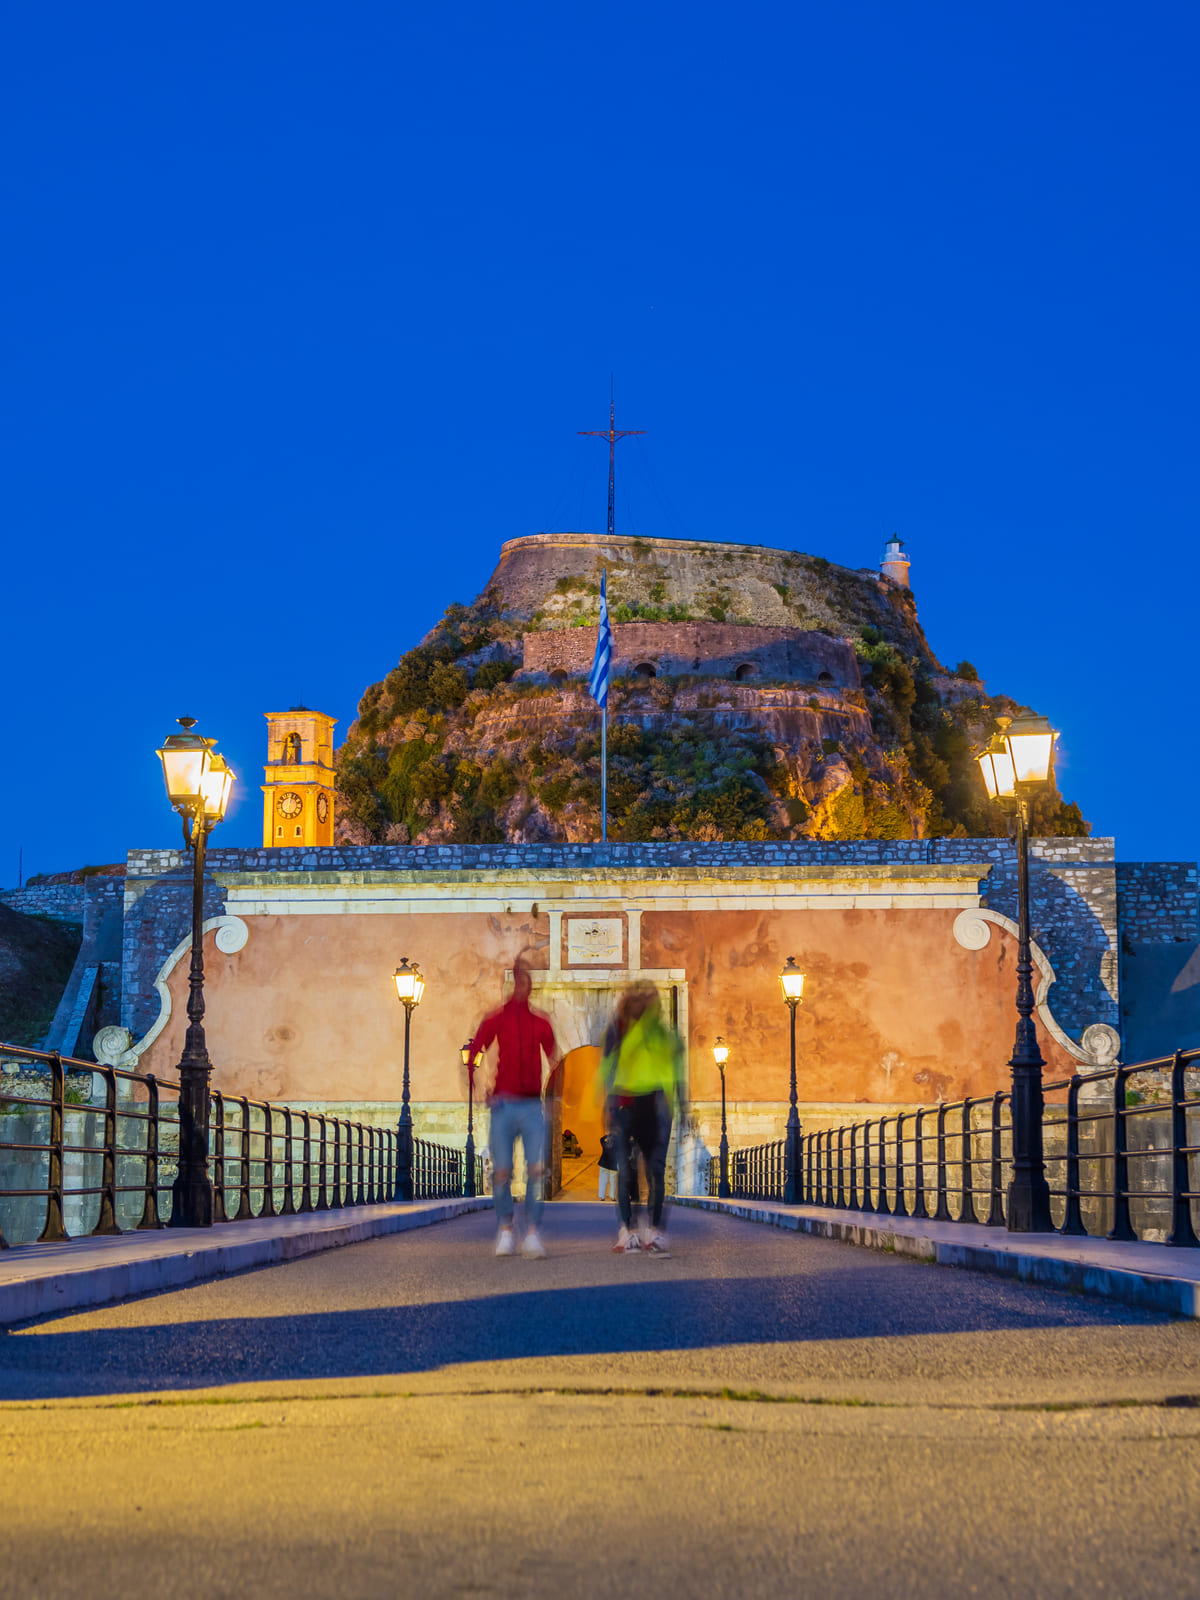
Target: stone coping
[
  {"x": 42, "y": 1279},
  {"x": 665, "y": 856},
  {"x": 767, "y": 872},
  {"x": 1151, "y": 1277}
]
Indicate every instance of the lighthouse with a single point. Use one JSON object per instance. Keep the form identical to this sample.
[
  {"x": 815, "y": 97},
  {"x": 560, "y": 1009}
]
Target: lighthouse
[{"x": 895, "y": 563}]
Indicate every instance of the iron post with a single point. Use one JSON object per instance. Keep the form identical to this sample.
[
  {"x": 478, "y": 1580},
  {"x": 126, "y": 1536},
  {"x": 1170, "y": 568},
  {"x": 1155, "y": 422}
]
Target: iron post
[
  {"x": 469, "y": 1152},
  {"x": 1028, "y": 1192},
  {"x": 723, "y": 1189},
  {"x": 404, "y": 1129},
  {"x": 192, "y": 1191},
  {"x": 791, "y": 1170}
]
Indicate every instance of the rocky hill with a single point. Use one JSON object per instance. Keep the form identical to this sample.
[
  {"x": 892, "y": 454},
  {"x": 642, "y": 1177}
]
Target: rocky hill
[{"x": 738, "y": 711}]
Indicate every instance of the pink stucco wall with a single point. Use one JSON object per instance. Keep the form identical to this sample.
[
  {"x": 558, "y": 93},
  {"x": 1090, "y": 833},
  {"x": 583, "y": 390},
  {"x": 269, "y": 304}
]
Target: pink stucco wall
[{"x": 894, "y": 1009}]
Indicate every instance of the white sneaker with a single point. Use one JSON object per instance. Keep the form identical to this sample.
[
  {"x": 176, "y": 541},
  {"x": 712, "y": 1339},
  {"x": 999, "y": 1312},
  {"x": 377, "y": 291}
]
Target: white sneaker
[
  {"x": 505, "y": 1243},
  {"x": 656, "y": 1245},
  {"x": 533, "y": 1246}
]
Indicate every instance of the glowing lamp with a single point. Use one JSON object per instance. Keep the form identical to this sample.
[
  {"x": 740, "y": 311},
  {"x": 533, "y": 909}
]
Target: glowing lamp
[
  {"x": 1022, "y": 752},
  {"x": 410, "y": 985},
  {"x": 999, "y": 778},
  {"x": 791, "y": 981},
  {"x": 465, "y": 1053},
  {"x": 215, "y": 788},
  {"x": 1031, "y": 745},
  {"x": 720, "y": 1051},
  {"x": 186, "y": 758}
]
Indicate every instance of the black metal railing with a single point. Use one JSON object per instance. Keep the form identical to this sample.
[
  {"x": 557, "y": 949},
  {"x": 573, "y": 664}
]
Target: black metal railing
[
  {"x": 1121, "y": 1146},
  {"x": 755, "y": 1173},
  {"x": 89, "y": 1148}
]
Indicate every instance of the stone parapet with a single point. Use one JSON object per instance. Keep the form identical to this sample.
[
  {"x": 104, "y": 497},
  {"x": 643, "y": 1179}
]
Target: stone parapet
[{"x": 665, "y": 856}]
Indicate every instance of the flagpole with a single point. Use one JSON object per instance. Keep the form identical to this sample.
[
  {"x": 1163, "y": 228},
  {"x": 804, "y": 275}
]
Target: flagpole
[{"x": 604, "y": 773}]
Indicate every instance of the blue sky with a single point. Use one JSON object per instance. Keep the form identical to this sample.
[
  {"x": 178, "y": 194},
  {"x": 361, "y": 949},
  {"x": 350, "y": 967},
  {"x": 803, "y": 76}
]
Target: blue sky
[{"x": 305, "y": 304}]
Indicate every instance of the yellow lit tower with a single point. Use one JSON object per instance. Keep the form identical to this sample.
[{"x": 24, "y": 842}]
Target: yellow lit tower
[{"x": 298, "y": 793}]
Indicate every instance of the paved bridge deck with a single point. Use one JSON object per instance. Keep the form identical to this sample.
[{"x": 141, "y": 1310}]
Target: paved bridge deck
[{"x": 761, "y": 1413}]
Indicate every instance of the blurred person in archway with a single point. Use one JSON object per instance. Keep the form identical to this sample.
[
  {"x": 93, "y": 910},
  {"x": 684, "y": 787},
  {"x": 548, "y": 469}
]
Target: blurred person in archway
[
  {"x": 608, "y": 1168},
  {"x": 642, "y": 1073},
  {"x": 522, "y": 1036}
]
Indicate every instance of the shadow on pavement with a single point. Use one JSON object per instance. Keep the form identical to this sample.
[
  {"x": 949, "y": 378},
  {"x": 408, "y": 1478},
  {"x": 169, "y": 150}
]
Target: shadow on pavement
[{"x": 667, "y": 1315}]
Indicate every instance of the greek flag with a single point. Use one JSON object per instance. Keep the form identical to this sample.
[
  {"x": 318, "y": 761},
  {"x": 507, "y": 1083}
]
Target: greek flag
[{"x": 602, "y": 665}]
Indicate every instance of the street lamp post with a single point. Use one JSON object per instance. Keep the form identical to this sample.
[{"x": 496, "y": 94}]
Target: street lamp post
[
  {"x": 791, "y": 981},
  {"x": 721, "y": 1056},
  {"x": 198, "y": 782},
  {"x": 470, "y": 1063},
  {"x": 1016, "y": 766},
  {"x": 410, "y": 986}
]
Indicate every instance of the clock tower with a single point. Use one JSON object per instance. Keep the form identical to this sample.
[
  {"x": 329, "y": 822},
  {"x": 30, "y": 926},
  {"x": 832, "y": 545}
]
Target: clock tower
[{"x": 298, "y": 793}]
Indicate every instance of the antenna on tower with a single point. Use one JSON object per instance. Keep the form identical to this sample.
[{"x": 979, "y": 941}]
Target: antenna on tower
[{"x": 612, "y": 433}]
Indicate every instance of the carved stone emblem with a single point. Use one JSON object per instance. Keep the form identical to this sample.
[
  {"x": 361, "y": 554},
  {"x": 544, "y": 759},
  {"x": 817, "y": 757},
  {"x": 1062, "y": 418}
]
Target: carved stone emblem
[{"x": 595, "y": 939}]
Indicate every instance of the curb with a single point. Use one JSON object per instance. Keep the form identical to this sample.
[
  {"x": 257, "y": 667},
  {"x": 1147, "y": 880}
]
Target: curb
[
  {"x": 56, "y": 1285},
  {"x": 1179, "y": 1297}
]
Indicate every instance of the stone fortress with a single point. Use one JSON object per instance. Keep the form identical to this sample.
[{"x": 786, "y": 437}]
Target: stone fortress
[
  {"x": 908, "y": 943},
  {"x": 738, "y": 611}
]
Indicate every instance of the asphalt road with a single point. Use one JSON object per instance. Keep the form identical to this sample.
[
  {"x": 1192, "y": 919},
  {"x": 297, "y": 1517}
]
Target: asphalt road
[{"x": 762, "y": 1412}]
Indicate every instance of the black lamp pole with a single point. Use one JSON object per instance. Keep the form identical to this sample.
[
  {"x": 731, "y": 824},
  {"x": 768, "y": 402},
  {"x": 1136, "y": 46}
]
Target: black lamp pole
[
  {"x": 469, "y": 1152},
  {"x": 791, "y": 1173},
  {"x": 1028, "y": 1193},
  {"x": 192, "y": 1191},
  {"x": 723, "y": 1190},
  {"x": 404, "y": 1129}
]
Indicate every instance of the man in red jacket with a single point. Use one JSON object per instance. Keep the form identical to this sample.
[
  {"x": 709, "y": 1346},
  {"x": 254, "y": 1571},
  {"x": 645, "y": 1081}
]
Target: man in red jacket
[{"x": 522, "y": 1036}]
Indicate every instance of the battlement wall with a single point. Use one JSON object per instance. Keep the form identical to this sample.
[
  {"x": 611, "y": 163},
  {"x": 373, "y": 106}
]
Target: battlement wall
[{"x": 718, "y": 649}]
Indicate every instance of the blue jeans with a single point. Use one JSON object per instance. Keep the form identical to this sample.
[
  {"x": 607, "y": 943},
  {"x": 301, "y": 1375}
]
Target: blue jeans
[{"x": 514, "y": 1117}]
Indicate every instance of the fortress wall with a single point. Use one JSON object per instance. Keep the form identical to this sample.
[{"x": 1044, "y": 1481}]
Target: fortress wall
[
  {"x": 83, "y": 902},
  {"x": 1072, "y": 884},
  {"x": 1159, "y": 901},
  {"x": 715, "y": 648},
  {"x": 555, "y": 577},
  {"x": 62, "y": 901}
]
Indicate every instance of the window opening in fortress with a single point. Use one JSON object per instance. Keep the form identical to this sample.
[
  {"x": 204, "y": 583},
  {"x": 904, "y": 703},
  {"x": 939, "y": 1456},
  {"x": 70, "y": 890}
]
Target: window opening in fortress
[
  {"x": 559, "y": 675},
  {"x": 746, "y": 670},
  {"x": 824, "y": 677},
  {"x": 645, "y": 669}
]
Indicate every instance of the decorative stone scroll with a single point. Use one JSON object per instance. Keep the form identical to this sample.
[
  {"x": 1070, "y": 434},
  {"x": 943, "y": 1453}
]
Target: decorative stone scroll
[
  {"x": 231, "y": 936},
  {"x": 1100, "y": 1045}
]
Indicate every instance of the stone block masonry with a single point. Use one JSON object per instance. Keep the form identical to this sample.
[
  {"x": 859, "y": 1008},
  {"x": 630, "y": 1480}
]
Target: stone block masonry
[
  {"x": 1159, "y": 901},
  {"x": 715, "y": 649},
  {"x": 62, "y": 901}
]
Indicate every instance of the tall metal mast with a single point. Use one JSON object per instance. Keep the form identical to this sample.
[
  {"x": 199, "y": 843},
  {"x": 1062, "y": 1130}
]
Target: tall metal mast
[
  {"x": 612, "y": 433},
  {"x": 603, "y": 663}
]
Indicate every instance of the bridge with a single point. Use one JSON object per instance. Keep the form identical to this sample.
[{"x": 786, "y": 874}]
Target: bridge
[{"x": 766, "y": 1409}]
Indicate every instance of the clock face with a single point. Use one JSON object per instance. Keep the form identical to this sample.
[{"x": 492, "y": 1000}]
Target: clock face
[
  {"x": 290, "y": 804},
  {"x": 322, "y": 807}
]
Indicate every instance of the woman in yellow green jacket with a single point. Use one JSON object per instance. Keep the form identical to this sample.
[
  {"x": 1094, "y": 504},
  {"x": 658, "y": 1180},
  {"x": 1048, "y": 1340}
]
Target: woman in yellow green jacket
[{"x": 642, "y": 1073}]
